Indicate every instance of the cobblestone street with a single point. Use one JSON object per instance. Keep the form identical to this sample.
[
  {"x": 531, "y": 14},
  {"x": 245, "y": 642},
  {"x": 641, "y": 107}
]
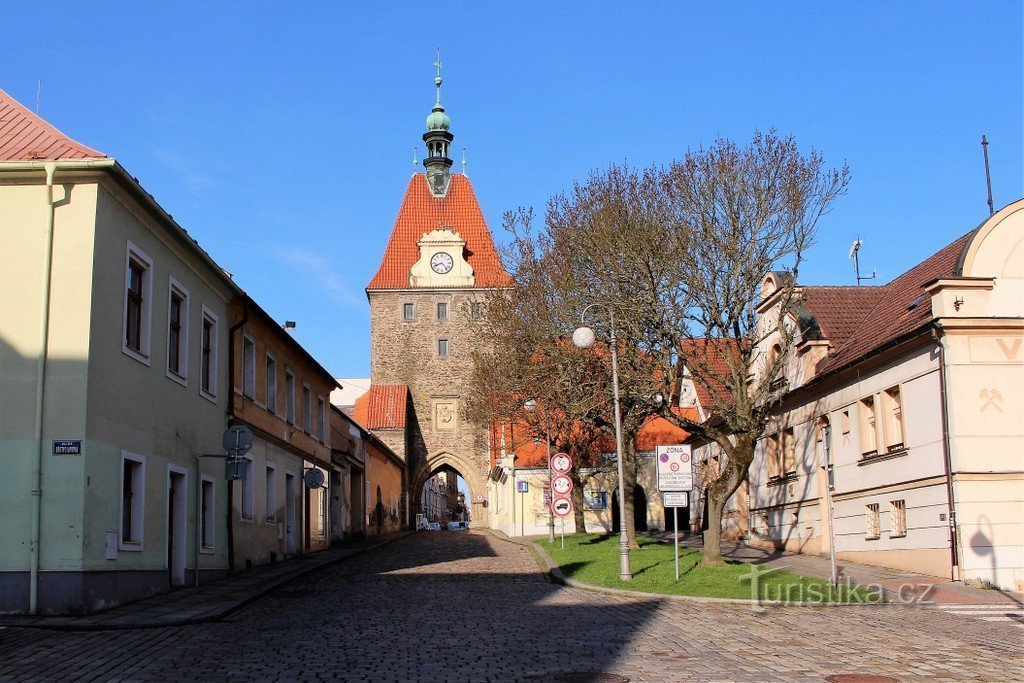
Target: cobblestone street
[{"x": 471, "y": 606}]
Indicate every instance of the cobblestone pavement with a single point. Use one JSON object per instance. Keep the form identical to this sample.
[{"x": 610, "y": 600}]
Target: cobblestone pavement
[{"x": 473, "y": 607}]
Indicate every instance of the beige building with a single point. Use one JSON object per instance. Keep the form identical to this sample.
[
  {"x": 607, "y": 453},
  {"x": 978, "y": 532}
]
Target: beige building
[
  {"x": 114, "y": 368},
  {"x": 901, "y": 436}
]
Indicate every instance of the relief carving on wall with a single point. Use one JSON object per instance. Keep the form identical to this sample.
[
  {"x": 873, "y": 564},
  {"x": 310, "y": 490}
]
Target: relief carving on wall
[{"x": 444, "y": 416}]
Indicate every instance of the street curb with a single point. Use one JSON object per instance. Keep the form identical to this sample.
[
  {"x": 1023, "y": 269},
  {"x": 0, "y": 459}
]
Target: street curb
[
  {"x": 558, "y": 577},
  {"x": 211, "y": 617}
]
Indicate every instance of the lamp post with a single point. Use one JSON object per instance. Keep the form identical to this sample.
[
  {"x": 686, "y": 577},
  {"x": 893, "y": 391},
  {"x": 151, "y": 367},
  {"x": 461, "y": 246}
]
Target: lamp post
[
  {"x": 583, "y": 337},
  {"x": 531, "y": 405}
]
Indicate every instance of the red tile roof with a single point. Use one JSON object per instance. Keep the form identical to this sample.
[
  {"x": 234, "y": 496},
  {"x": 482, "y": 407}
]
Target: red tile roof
[
  {"x": 26, "y": 137},
  {"x": 420, "y": 213},
  {"x": 712, "y": 355},
  {"x": 382, "y": 407},
  {"x": 893, "y": 311},
  {"x": 839, "y": 311}
]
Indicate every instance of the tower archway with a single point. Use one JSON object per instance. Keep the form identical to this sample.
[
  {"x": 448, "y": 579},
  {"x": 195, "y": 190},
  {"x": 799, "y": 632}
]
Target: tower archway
[{"x": 445, "y": 461}]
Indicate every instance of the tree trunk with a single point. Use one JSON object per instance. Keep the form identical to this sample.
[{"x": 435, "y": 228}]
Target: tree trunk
[
  {"x": 712, "y": 555},
  {"x": 579, "y": 520},
  {"x": 629, "y": 484}
]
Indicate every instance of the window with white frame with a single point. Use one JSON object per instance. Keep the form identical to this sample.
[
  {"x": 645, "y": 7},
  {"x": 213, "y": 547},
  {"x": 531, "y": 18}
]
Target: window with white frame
[
  {"x": 892, "y": 412},
  {"x": 271, "y": 383},
  {"x": 133, "y": 500},
  {"x": 289, "y": 396},
  {"x": 868, "y": 435},
  {"x": 248, "y": 366},
  {"x": 442, "y": 311},
  {"x": 177, "y": 330},
  {"x": 442, "y": 348},
  {"x": 247, "y": 488},
  {"x": 897, "y": 518},
  {"x": 307, "y": 409},
  {"x": 270, "y": 506},
  {"x": 208, "y": 513},
  {"x": 320, "y": 418},
  {"x": 208, "y": 355},
  {"x": 138, "y": 303},
  {"x": 872, "y": 530}
]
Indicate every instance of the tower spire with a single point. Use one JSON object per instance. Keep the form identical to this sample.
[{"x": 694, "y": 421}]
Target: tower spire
[{"x": 437, "y": 163}]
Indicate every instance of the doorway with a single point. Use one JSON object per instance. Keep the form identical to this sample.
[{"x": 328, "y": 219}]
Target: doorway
[
  {"x": 639, "y": 509},
  {"x": 290, "y": 523},
  {"x": 177, "y": 499}
]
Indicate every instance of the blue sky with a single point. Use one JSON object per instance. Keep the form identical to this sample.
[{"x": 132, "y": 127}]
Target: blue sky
[{"x": 281, "y": 134}]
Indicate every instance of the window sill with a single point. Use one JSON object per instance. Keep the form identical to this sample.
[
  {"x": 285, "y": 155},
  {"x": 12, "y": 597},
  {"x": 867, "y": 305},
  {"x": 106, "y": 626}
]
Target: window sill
[
  {"x": 130, "y": 546},
  {"x": 246, "y": 519},
  {"x": 207, "y": 550},
  {"x": 212, "y": 398},
  {"x": 179, "y": 379},
  {"x": 784, "y": 479},
  {"x": 135, "y": 355},
  {"x": 872, "y": 538},
  {"x": 878, "y": 457},
  {"x": 897, "y": 535}
]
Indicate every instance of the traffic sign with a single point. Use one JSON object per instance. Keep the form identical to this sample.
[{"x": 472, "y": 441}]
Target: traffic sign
[
  {"x": 562, "y": 506},
  {"x": 675, "y": 468},
  {"x": 561, "y": 463},
  {"x": 522, "y": 486},
  {"x": 675, "y": 499},
  {"x": 238, "y": 440},
  {"x": 562, "y": 485}
]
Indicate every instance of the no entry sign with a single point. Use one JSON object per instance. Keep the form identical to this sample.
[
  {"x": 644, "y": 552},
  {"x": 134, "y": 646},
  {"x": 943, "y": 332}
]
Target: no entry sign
[{"x": 675, "y": 469}]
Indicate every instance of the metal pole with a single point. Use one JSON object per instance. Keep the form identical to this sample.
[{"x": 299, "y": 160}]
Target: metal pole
[
  {"x": 827, "y": 440},
  {"x": 624, "y": 572},
  {"x": 675, "y": 527},
  {"x": 551, "y": 494},
  {"x": 563, "y": 533},
  {"x": 988, "y": 175}
]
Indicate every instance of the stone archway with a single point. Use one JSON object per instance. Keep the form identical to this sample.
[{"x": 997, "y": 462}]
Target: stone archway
[{"x": 475, "y": 481}]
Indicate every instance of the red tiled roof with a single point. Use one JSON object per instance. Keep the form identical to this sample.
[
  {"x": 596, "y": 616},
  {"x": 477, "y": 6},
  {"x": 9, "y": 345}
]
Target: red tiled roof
[
  {"x": 712, "y": 355},
  {"x": 658, "y": 431},
  {"x": 899, "y": 308},
  {"x": 420, "y": 213},
  {"x": 839, "y": 311},
  {"x": 382, "y": 407},
  {"x": 26, "y": 137}
]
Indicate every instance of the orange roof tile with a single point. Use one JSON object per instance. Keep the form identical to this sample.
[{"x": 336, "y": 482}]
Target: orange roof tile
[
  {"x": 382, "y": 407},
  {"x": 420, "y": 213},
  {"x": 26, "y": 137}
]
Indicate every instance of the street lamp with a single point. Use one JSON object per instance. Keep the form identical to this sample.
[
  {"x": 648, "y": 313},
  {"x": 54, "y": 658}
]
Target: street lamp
[
  {"x": 531, "y": 405},
  {"x": 583, "y": 337}
]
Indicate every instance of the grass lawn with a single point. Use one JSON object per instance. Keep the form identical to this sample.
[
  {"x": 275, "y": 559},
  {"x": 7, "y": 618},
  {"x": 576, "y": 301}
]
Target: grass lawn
[{"x": 594, "y": 558}]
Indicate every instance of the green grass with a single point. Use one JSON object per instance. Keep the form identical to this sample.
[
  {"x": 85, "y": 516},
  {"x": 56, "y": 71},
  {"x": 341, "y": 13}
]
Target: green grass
[{"x": 595, "y": 559}]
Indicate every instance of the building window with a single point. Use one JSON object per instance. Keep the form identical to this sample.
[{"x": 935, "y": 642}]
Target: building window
[
  {"x": 320, "y": 419},
  {"x": 897, "y": 518},
  {"x": 270, "y": 506},
  {"x": 872, "y": 530},
  {"x": 408, "y": 312},
  {"x": 442, "y": 311},
  {"x": 208, "y": 362},
  {"x": 307, "y": 409},
  {"x": 138, "y": 302},
  {"x": 844, "y": 422},
  {"x": 271, "y": 383},
  {"x": 247, "y": 488},
  {"x": 892, "y": 405},
  {"x": 133, "y": 501},
  {"x": 442, "y": 348},
  {"x": 177, "y": 331},
  {"x": 289, "y": 396},
  {"x": 772, "y": 455},
  {"x": 788, "y": 452},
  {"x": 248, "y": 366},
  {"x": 868, "y": 440},
  {"x": 208, "y": 513},
  {"x": 476, "y": 310},
  {"x": 321, "y": 527}
]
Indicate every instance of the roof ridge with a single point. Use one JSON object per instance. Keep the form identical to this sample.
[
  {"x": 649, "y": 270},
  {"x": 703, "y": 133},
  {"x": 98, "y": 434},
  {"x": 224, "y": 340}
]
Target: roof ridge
[{"x": 21, "y": 128}]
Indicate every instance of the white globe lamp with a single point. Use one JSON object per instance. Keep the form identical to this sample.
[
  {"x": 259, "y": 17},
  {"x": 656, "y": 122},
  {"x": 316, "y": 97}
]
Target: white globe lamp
[{"x": 583, "y": 337}]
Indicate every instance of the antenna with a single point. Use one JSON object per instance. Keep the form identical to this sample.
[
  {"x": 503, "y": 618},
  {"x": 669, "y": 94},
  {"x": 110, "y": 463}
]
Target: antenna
[
  {"x": 854, "y": 254},
  {"x": 988, "y": 174},
  {"x": 39, "y": 91},
  {"x": 415, "y": 163},
  {"x": 463, "y": 161}
]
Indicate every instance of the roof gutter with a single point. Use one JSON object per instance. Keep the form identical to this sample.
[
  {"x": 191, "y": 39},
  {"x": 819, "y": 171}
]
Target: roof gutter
[
  {"x": 50, "y": 168},
  {"x": 954, "y": 529}
]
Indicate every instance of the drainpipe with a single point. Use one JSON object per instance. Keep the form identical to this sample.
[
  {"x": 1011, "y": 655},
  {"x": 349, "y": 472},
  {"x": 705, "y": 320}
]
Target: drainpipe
[
  {"x": 231, "y": 414},
  {"x": 954, "y": 547},
  {"x": 50, "y": 168}
]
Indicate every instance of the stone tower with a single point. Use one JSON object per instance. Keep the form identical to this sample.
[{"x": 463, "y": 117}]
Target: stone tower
[{"x": 437, "y": 268}]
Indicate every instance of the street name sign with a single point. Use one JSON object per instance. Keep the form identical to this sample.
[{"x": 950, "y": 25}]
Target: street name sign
[
  {"x": 675, "y": 469},
  {"x": 66, "y": 447},
  {"x": 675, "y": 499}
]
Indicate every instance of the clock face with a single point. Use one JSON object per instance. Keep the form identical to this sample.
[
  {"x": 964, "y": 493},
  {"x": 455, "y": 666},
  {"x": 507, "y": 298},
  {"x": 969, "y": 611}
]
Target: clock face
[{"x": 441, "y": 262}]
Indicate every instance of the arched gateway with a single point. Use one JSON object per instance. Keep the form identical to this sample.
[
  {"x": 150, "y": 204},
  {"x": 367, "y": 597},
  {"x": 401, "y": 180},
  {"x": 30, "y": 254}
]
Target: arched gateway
[{"x": 439, "y": 264}]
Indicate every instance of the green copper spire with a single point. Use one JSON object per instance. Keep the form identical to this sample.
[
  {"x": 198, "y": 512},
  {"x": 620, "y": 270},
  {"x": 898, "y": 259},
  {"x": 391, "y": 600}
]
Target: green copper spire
[{"x": 437, "y": 163}]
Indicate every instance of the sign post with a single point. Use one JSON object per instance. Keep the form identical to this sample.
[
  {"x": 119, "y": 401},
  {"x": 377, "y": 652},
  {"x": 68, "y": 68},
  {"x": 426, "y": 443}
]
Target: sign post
[
  {"x": 675, "y": 480},
  {"x": 561, "y": 486}
]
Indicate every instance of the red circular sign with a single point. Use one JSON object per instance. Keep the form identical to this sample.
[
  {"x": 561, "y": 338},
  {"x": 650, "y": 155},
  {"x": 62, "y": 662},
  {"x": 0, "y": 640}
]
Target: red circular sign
[
  {"x": 561, "y": 506},
  {"x": 561, "y": 463}
]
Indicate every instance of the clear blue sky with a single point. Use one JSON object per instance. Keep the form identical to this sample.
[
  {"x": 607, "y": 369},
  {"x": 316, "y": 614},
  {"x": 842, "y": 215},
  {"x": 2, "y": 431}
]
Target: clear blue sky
[{"x": 281, "y": 135}]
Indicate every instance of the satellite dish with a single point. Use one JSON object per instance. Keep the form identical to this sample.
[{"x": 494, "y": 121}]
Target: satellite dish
[
  {"x": 314, "y": 478},
  {"x": 238, "y": 440}
]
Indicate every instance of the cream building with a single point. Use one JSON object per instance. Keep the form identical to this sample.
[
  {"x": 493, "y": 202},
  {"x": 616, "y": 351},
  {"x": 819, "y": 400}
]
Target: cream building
[
  {"x": 114, "y": 368},
  {"x": 901, "y": 436}
]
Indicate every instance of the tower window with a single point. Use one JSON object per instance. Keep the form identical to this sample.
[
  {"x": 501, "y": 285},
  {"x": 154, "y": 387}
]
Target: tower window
[
  {"x": 407, "y": 311},
  {"x": 442, "y": 348},
  {"x": 442, "y": 311}
]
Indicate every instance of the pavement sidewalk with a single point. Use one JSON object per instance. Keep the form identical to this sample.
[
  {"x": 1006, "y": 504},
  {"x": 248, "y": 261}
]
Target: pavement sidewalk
[{"x": 209, "y": 601}]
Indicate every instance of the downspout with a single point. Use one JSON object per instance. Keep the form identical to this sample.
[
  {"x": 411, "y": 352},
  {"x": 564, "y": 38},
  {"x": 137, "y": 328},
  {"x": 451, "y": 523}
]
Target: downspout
[
  {"x": 231, "y": 414},
  {"x": 954, "y": 547},
  {"x": 50, "y": 168}
]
